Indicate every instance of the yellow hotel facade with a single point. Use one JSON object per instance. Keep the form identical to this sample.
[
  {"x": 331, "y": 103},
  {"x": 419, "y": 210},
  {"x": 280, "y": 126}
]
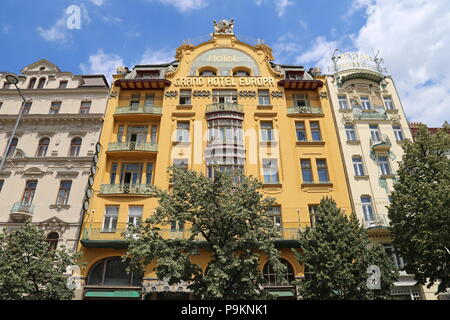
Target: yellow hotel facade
[{"x": 221, "y": 102}]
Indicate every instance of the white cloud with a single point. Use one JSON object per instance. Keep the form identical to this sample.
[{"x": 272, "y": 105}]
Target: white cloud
[
  {"x": 98, "y": 2},
  {"x": 59, "y": 31},
  {"x": 414, "y": 39},
  {"x": 286, "y": 47},
  {"x": 185, "y": 5},
  {"x": 102, "y": 63},
  {"x": 281, "y": 5},
  {"x": 320, "y": 53},
  {"x": 151, "y": 56},
  {"x": 258, "y": 2},
  {"x": 303, "y": 24}
]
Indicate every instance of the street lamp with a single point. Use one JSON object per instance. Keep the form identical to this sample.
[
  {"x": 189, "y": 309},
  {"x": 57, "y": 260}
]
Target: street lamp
[{"x": 12, "y": 79}]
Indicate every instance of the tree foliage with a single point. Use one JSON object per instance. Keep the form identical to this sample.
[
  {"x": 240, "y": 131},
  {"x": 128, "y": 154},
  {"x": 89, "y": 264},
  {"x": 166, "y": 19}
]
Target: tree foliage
[
  {"x": 228, "y": 219},
  {"x": 420, "y": 208},
  {"x": 337, "y": 252},
  {"x": 29, "y": 270}
]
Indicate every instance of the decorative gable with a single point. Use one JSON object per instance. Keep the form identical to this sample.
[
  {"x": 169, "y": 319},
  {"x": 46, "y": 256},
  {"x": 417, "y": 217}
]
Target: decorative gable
[{"x": 42, "y": 66}]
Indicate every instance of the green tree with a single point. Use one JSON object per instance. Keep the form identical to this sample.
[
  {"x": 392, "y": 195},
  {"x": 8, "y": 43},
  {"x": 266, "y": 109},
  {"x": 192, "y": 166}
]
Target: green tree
[
  {"x": 232, "y": 223},
  {"x": 336, "y": 253},
  {"x": 29, "y": 270},
  {"x": 420, "y": 208}
]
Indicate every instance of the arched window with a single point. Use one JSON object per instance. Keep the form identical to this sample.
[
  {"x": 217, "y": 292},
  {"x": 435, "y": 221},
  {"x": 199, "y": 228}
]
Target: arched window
[
  {"x": 12, "y": 147},
  {"x": 207, "y": 72},
  {"x": 241, "y": 72},
  {"x": 41, "y": 83},
  {"x": 269, "y": 273},
  {"x": 75, "y": 147},
  {"x": 32, "y": 83},
  {"x": 42, "y": 147},
  {"x": 112, "y": 272},
  {"x": 52, "y": 239}
]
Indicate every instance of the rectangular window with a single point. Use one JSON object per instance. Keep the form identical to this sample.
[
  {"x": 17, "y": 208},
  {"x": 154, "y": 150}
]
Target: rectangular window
[
  {"x": 63, "y": 193},
  {"x": 85, "y": 107},
  {"x": 263, "y": 97},
  {"x": 185, "y": 97},
  {"x": 120, "y": 133},
  {"x": 134, "y": 215},
  {"x": 398, "y": 133},
  {"x": 315, "y": 131},
  {"x": 300, "y": 129},
  {"x": 366, "y": 203},
  {"x": 267, "y": 133},
  {"x": 55, "y": 106},
  {"x": 306, "y": 170},
  {"x": 312, "y": 208},
  {"x": 358, "y": 166},
  {"x": 182, "y": 131},
  {"x": 275, "y": 214},
  {"x": 1, "y": 104},
  {"x": 135, "y": 101},
  {"x": 365, "y": 103},
  {"x": 26, "y": 108},
  {"x": 113, "y": 173},
  {"x": 153, "y": 132},
  {"x": 1, "y": 184},
  {"x": 30, "y": 189},
  {"x": 375, "y": 132},
  {"x": 180, "y": 163},
  {"x": 136, "y": 135},
  {"x": 388, "y": 103},
  {"x": 300, "y": 100},
  {"x": 396, "y": 258},
  {"x": 322, "y": 170},
  {"x": 270, "y": 170},
  {"x": 177, "y": 226},
  {"x": 343, "y": 102},
  {"x": 224, "y": 96},
  {"x": 149, "y": 100},
  {"x": 350, "y": 132},
  {"x": 110, "y": 221},
  {"x": 62, "y": 84},
  {"x": 131, "y": 173},
  {"x": 149, "y": 173},
  {"x": 6, "y": 85},
  {"x": 384, "y": 165}
]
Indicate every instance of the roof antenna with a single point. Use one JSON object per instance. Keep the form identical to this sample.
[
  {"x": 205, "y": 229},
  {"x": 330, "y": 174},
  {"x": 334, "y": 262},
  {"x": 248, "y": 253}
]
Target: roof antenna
[{"x": 335, "y": 58}]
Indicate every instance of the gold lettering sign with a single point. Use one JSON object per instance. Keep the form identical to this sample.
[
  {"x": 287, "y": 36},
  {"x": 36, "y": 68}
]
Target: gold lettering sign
[{"x": 224, "y": 82}]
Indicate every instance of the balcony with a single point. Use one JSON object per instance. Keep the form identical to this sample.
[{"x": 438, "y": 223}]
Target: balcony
[
  {"x": 305, "y": 111},
  {"x": 383, "y": 144},
  {"x": 377, "y": 113},
  {"x": 132, "y": 149},
  {"x": 126, "y": 189},
  {"x": 21, "y": 211},
  {"x": 128, "y": 112},
  {"x": 218, "y": 107},
  {"x": 378, "y": 221}
]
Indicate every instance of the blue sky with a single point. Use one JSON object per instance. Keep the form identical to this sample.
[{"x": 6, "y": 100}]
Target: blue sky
[{"x": 302, "y": 32}]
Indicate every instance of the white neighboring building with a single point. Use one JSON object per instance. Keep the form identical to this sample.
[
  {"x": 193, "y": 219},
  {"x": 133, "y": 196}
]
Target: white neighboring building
[
  {"x": 371, "y": 125},
  {"x": 48, "y": 163}
]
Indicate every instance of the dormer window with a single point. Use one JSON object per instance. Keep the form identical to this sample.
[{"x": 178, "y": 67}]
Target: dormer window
[
  {"x": 294, "y": 75},
  {"x": 153, "y": 74},
  {"x": 32, "y": 83},
  {"x": 41, "y": 83},
  {"x": 42, "y": 68}
]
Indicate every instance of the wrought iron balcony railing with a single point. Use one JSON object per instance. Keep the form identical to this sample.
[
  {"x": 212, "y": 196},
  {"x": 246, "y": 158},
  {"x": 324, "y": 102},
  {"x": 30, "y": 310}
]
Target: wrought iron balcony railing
[
  {"x": 138, "y": 110},
  {"x": 121, "y": 189},
  {"x": 379, "y": 220},
  {"x": 133, "y": 146},
  {"x": 304, "y": 110},
  {"x": 215, "y": 107},
  {"x": 383, "y": 143},
  {"x": 21, "y": 211}
]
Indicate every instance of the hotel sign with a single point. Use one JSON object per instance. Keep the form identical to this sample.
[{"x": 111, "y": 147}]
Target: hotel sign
[{"x": 224, "y": 82}]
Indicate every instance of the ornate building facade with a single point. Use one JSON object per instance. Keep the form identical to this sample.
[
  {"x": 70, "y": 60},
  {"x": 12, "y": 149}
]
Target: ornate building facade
[
  {"x": 48, "y": 162},
  {"x": 371, "y": 126},
  {"x": 222, "y": 102}
]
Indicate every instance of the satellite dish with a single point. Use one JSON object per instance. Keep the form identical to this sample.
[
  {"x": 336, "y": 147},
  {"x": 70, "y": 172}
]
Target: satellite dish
[
  {"x": 98, "y": 147},
  {"x": 95, "y": 158},
  {"x": 88, "y": 193},
  {"x": 93, "y": 169}
]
